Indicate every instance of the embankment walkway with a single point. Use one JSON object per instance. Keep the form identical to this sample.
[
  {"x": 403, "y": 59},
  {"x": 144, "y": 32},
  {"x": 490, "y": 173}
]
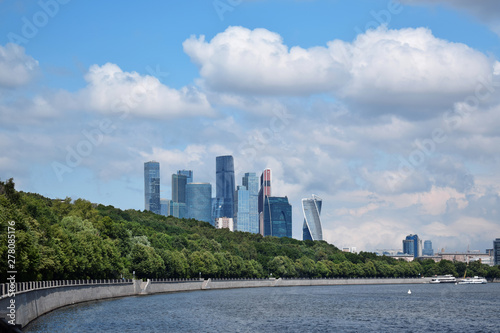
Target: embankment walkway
[{"x": 33, "y": 299}]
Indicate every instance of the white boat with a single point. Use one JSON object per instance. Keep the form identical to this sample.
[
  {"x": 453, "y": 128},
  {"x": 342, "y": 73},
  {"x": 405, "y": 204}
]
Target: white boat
[
  {"x": 444, "y": 279},
  {"x": 474, "y": 280}
]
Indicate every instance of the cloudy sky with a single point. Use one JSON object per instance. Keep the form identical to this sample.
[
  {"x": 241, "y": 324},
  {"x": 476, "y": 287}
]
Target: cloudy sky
[{"x": 389, "y": 111}]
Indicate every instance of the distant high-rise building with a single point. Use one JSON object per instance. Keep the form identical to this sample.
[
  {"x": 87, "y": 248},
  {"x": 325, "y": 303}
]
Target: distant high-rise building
[
  {"x": 246, "y": 214},
  {"x": 264, "y": 192},
  {"x": 224, "y": 222},
  {"x": 242, "y": 209},
  {"x": 412, "y": 245},
  {"x": 277, "y": 215},
  {"x": 428, "y": 251},
  {"x": 311, "y": 229},
  {"x": 217, "y": 204},
  {"x": 171, "y": 208},
  {"x": 164, "y": 206},
  {"x": 152, "y": 187},
  {"x": 199, "y": 201},
  {"x": 251, "y": 182},
  {"x": 177, "y": 209},
  {"x": 179, "y": 183},
  {"x": 187, "y": 173},
  {"x": 496, "y": 251},
  {"x": 224, "y": 169}
]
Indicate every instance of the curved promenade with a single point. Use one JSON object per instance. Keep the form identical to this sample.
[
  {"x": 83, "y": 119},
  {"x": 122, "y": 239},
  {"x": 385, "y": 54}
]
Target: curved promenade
[{"x": 33, "y": 299}]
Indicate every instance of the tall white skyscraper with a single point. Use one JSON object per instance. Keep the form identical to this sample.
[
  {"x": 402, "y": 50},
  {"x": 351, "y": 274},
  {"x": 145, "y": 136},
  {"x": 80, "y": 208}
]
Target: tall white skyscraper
[{"x": 312, "y": 229}]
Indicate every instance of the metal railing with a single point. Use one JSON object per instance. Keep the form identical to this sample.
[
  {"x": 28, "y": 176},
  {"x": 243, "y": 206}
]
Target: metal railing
[{"x": 19, "y": 287}]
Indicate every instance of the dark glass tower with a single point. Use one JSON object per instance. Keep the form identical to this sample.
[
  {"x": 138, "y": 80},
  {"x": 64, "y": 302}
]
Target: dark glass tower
[
  {"x": 187, "y": 173},
  {"x": 224, "y": 173},
  {"x": 264, "y": 193},
  {"x": 496, "y": 251},
  {"x": 412, "y": 245},
  {"x": 179, "y": 188},
  {"x": 152, "y": 187},
  {"x": 277, "y": 217}
]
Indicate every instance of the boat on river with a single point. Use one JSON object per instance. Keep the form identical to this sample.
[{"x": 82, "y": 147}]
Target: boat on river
[
  {"x": 473, "y": 280},
  {"x": 444, "y": 279}
]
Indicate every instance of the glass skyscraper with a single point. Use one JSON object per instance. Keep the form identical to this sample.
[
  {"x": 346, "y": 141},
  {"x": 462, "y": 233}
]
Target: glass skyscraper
[
  {"x": 177, "y": 209},
  {"x": 264, "y": 192},
  {"x": 496, "y": 251},
  {"x": 179, "y": 183},
  {"x": 311, "y": 229},
  {"x": 428, "y": 251},
  {"x": 224, "y": 173},
  {"x": 188, "y": 174},
  {"x": 242, "y": 209},
  {"x": 217, "y": 204},
  {"x": 250, "y": 183},
  {"x": 164, "y": 207},
  {"x": 277, "y": 217},
  {"x": 199, "y": 202},
  {"x": 152, "y": 187},
  {"x": 412, "y": 245}
]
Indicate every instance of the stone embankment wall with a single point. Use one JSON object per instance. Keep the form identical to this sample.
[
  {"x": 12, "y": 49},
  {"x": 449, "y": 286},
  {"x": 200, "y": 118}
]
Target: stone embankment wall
[{"x": 34, "y": 299}]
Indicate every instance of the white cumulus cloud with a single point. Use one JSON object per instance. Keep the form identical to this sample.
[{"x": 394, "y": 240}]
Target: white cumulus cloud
[
  {"x": 111, "y": 90},
  {"x": 381, "y": 67},
  {"x": 257, "y": 61},
  {"x": 16, "y": 67}
]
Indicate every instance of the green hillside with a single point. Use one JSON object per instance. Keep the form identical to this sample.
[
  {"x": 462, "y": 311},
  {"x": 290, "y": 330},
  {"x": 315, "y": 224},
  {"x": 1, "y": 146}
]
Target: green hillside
[{"x": 63, "y": 239}]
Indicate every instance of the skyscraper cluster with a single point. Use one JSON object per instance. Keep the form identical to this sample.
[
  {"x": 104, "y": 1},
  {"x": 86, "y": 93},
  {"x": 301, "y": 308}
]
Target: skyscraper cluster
[
  {"x": 412, "y": 245},
  {"x": 246, "y": 207}
]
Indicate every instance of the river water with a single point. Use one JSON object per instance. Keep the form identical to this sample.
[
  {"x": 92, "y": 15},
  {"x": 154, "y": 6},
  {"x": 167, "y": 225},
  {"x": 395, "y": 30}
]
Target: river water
[{"x": 363, "y": 308}]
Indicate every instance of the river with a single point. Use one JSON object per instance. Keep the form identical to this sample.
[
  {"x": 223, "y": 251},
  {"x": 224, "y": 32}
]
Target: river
[{"x": 353, "y": 308}]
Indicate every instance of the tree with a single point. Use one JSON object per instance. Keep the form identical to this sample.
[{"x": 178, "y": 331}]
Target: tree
[
  {"x": 202, "y": 262},
  {"x": 305, "y": 267},
  {"x": 176, "y": 265},
  {"x": 369, "y": 268},
  {"x": 359, "y": 270},
  {"x": 322, "y": 269},
  {"x": 446, "y": 267},
  {"x": 146, "y": 262},
  {"x": 281, "y": 266},
  {"x": 346, "y": 269},
  {"x": 253, "y": 269}
]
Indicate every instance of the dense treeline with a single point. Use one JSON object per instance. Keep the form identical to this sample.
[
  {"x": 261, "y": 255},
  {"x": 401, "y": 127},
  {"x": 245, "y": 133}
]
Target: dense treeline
[{"x": 65, "y": 239}]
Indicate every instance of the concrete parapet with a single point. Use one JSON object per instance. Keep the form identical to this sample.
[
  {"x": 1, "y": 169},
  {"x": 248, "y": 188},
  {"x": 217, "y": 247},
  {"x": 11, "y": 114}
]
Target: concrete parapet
[{"x": 33, "y": 303}]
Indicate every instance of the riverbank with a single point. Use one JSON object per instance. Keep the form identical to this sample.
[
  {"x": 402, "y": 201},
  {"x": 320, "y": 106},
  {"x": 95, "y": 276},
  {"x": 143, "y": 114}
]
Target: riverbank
[{"x": 34, "y": 299}]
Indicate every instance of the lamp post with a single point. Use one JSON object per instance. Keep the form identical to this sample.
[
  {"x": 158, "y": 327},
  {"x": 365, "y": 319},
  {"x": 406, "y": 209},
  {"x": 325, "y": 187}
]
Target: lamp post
[{"x": 200, "y": 275}]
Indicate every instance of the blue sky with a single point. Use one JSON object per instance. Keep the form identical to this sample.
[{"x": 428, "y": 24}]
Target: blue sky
[{"x": 387, "y": 110}]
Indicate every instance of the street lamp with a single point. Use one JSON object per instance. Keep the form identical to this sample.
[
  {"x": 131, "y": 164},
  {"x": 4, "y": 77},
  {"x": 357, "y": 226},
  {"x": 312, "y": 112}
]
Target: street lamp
[{"x": 200, "y": 275}]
